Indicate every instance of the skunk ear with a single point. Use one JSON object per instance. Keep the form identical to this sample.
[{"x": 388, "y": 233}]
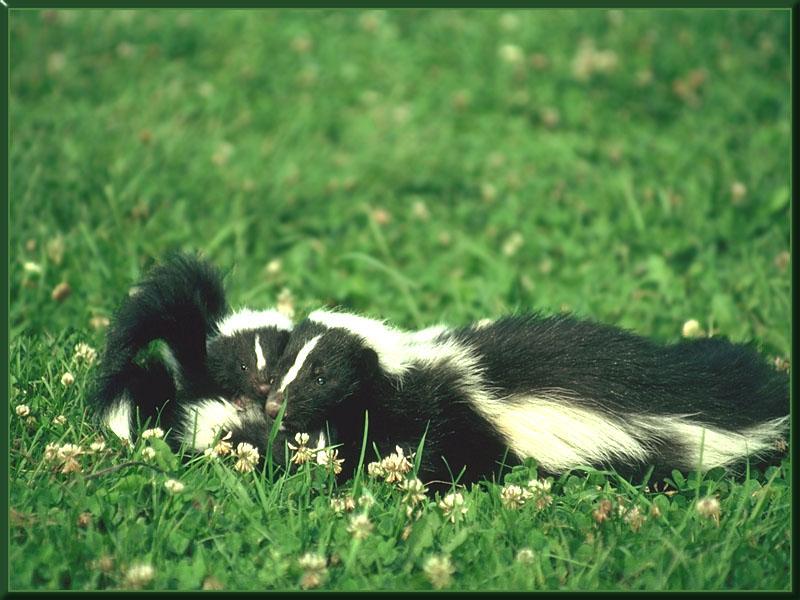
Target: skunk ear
[{"x": 368, "y": 361}]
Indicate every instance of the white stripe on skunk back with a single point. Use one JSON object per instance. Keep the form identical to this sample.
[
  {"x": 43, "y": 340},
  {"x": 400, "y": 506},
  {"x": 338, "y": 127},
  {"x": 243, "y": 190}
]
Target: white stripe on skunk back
[
  {"x": 248, "y": 320},
  {"x": 559, "y": 435},
  {"x": 713, "y": 447},
  {"x": 399, "y": 350}
]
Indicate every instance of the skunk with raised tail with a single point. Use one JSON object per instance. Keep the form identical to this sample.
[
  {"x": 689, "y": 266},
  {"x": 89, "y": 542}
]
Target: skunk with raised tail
[
  {"x": 564, "y": 391},
  {"x": 214, "y": 371}
]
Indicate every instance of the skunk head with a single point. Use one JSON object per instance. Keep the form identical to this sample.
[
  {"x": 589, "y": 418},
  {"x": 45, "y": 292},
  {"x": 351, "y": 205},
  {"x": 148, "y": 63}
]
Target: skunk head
[
  {"x": 243, "y": 357},
  {"x": 321, "y": 368}
]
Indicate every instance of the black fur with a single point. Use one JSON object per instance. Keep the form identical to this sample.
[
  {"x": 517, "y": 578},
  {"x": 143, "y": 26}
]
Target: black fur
[
  {"x": 181, "y": 302},
  {"x": 604, "y": 369}
]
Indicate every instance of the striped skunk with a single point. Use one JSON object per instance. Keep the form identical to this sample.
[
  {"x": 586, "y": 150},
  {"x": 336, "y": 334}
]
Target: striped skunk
[
  {"x": 214, "y": 372},
  {"x": 564, "y": 391}
]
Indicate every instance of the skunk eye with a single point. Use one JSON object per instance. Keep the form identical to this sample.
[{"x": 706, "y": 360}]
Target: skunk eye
[
  {"x": 244, "y": 367},
  {"x": 271, "y": 380},
  {"x": 320, "y": 381}
]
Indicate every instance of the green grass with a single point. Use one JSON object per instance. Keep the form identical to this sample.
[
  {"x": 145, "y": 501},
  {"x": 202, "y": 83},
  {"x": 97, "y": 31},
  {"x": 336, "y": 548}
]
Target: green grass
[{"x": 401, "y": 164}]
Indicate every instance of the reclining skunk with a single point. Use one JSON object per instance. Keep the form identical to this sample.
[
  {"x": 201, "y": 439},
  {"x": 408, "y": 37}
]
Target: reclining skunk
[
  {"x": 215, "y": 370},
  {"x": 564, "y": 391}
]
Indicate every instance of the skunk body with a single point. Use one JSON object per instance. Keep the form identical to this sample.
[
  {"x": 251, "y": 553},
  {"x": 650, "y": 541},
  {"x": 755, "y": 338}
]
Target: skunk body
[
  {"x": 563, "y": 391},
  {"x": 215, "y": 368}
]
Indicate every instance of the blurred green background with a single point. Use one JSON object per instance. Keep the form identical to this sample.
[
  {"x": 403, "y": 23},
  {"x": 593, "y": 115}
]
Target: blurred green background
[{"x": 418, "y": 165}]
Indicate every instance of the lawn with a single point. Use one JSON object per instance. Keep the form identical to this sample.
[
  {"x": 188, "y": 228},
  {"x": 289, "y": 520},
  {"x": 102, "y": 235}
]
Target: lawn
[{"x": 423, "y": 167}]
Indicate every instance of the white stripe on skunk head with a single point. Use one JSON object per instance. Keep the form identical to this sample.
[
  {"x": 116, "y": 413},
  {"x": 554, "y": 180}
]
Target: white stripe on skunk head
[
  {"x": 320, "y": 369},
  {"x": 247, "y": 320},
  {"x": 261, "y": 362},
  {"x": 302, "y": 356},
  {"x": 243, "y": 363}
]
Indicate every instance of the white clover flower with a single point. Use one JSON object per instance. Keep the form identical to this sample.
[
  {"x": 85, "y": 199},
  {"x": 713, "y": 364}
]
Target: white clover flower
[
  {"x": 365, "y": 500},
  {"x": 543, "y": 501},
  {"x": 337, "y": 505},
  {"x": 511, "y": 54},
  {"x": 67, "y": 379},
  {"x": 32, "y": 267},
  {"x": 67, "y": 451},
  {"x": 395, "y": 466},
  {"x": 513, "y": 243},
  {"x": 634, "y": 518},
  {"x": 514, "y": 497},
  {"x": 97, "y": 446},
  {"x": 603, "y": 511},
  {"x": 71, "y": 466},
  {"x": 375, "y": 470},
  {"x": 360, "y": 526},
  {"x": 99, "y": 322},
  {"x": 248, "y": 456},
  {"x": 315, "y": 570},
  {"x": 155, "y": 432},
  {"x": 148, "y": 453},
  {"x": 330, "y": 459},
  {"x": 420, "y": 211},
  {"x": 525, "y": 556},
  {"x": 738, "y": 191},
  {"x": 139, "y": 574},
  {"x": 59, "y": 420},
  {"x": 222, "y": 448},
  {"x": 174, "y": 486},
  {"x": 588, "y": 60},
  {"x": 55, "y": 249},
  {"x": 452, "y": 506},
  {"x": 539, "y": 486},
  {"x": 68, "y": 455},
  {"x": 302, "y": 453},
  {"x": 439, "y": 571},
  {"x": 51, "y": 452},
  {"x": 691, "y": 329},
  {"x": 85, "y": 353},
  {"x": 709, "y": 508},
  {"x": 23, "y": 410},
  {"x": 414, "y": 491},
  {"x": 274, "y": 266}
]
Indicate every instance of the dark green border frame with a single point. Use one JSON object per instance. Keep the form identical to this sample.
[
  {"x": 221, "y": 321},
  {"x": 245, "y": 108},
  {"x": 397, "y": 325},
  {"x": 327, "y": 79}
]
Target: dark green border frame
[{"x": 5, "y": 12}]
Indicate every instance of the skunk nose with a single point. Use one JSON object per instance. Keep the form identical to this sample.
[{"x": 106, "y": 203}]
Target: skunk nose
[
  {"x": 274, "y": 404},
  {"x": 263, "y": 389}
]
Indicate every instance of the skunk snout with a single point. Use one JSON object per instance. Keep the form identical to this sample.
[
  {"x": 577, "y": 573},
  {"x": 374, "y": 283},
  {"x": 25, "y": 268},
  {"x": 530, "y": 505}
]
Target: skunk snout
[
  {"x": 273, "y": 404},
  {"x": 263, "y": 389}
]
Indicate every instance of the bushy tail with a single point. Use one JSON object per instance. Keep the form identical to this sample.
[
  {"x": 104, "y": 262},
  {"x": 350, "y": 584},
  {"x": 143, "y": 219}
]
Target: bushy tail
[{"x": 179, "y": 302}]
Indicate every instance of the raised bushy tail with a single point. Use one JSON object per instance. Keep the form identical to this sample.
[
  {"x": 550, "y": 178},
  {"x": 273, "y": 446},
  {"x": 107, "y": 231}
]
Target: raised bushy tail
[{"x": 179, "y": 302}]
